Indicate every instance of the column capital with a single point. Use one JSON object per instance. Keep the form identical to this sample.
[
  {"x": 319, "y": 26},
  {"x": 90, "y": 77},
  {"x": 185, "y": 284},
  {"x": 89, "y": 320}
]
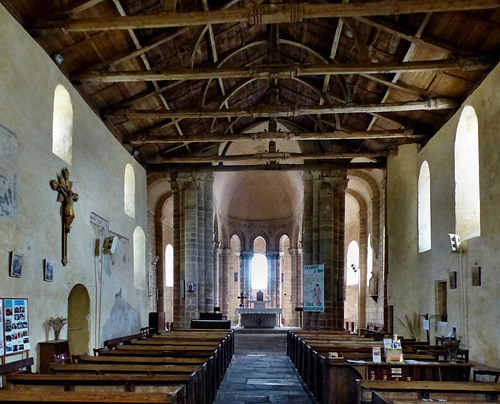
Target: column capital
[
  {"x": 272, "y": 255},
  {"x": 245, "y": 255},
  {"x": 295, "y": 251}
]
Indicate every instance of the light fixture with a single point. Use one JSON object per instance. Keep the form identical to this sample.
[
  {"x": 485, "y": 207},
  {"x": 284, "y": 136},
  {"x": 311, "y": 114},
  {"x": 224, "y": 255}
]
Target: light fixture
[
  {"x": 58, "y": 58},
  {"x": 455, "y": 242}
]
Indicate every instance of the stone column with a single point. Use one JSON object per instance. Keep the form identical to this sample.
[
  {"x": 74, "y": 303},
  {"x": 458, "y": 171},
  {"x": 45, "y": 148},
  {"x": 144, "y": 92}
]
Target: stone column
[
  {"x": 178, "y": 302},
  {"x": 210, "y": 278},
  {"x": 323, "y": 242},
  {"x": 274, "y": 278},
  {"x": 225, "y": 275},
  {"x": 200, "y": 234},
  {"x": 217, "y": 257},
  {"x": 245, "y": 259},
  {"x": 297, "y": 300}
]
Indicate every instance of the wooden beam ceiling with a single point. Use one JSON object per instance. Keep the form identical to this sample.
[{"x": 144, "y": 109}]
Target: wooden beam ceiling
[{"x": 264, "y": 14}]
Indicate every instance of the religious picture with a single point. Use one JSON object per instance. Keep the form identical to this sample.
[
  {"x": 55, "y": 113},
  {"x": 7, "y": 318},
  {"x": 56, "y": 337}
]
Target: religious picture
[
  {"x": 16, "y": 265},
  {"x": 314, "y": 288},
  {"x": 476, "y": 276},
  {"x": 190, "y": 287},
  {"x": 453, "y": 280},
  {"x": 48, "y": 270}
]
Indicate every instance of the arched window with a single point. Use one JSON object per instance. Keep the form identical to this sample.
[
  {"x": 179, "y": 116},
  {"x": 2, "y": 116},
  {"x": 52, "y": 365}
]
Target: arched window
[
  {"x": 467, "y": 200},
  {"x": 352, "y": 277},
  {"x": 369, "y": 260},
  {"x": 129, "y": 191},
  {"x": 139, "y": 258},
  {"x": 259, "y": 272},
  {"x": 169, "y": 266},
  {"x": 424, "y": 208},
  {"x": 62, "y": 125}
]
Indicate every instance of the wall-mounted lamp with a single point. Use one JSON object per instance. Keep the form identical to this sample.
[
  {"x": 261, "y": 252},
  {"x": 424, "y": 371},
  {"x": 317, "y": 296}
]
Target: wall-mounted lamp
[
  {"x": 109, "y": 245},
  {"x": 455, "y": 242}
]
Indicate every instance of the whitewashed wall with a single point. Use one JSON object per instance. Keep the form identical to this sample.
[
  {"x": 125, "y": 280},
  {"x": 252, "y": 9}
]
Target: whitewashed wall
[
  {"x": 412, "y": 275},
  {"x": 28, "y": 79}
]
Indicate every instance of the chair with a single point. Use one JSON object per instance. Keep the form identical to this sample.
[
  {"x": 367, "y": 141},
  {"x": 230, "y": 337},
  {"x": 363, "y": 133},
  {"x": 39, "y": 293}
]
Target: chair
[{"x": 494, "y": 373}]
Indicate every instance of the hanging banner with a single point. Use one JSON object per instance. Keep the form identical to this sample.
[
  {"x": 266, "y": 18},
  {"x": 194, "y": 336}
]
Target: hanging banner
[
  {"x": 2, "y": 342},
  {"x": 314, "y": 282},
  {"x": 17, "y": 337}
]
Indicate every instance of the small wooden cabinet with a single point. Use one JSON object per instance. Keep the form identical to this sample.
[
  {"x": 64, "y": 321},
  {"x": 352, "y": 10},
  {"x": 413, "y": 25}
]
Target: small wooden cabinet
[{"x": 50, "y": 348}]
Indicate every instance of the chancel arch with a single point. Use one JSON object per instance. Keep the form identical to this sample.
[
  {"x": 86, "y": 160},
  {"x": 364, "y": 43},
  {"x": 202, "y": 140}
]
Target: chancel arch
[
  {"x": 467, "y": 196},
  {"x": 62, "y": 125}
]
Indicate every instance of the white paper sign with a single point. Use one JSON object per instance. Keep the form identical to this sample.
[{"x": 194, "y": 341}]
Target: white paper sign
[{"x": 314, "y": 282}]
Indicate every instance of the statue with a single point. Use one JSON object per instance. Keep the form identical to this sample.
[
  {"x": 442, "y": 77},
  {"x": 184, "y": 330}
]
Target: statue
[{"x": 67, "y": 197}]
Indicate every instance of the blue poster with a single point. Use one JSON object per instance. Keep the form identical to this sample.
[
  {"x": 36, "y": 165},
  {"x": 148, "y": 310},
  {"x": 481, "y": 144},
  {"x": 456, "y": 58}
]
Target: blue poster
[
  {"x": 314, "y": 287},
  {"x": 15, "y": 317}
]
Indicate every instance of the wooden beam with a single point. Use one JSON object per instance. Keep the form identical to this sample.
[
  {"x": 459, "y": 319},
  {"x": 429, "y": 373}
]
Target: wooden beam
[
  {"x": 178, "y": 168},
  {"x": 275, "y": 111},
  {"x": 284, "y": 71},
  {"x": 279, "y": 156},
  {"x": 265, "y": 14},
  {"x": 76, "y": 6},
  {"x": 336, "y": 135}
]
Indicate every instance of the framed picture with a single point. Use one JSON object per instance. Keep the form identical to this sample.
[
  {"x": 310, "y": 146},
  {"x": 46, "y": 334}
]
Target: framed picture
[
  {"x": 453, "y": 279},
  {"x": 48, "y": 270},
  {"x": 476, "y": 276},
  {"x": 16, "y": 264}
]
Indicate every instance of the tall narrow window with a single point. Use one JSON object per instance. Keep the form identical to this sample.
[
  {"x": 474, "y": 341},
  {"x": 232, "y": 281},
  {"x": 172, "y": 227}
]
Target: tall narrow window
[
  {"x": 424, "y": 208},
  {"x": 369, "y": 260},
  {"x": 467, "y": 198},
  {"x": 169, "y": 265},
  {"x": 129, "y": 191},
  {"x": 139, "y": 258},
  {"x": 259, "y": 272},
  {"x": 352, "y": 263},
  {"x": 62, "y": 125}
]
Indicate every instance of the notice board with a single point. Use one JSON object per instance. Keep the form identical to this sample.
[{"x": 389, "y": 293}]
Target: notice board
[{"x": 15, "y": 326}]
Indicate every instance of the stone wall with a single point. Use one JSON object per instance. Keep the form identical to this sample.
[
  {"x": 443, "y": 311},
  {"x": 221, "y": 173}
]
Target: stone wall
[
  {"x": 412, "y": 275},
  {"x": 28, "y": 79}
]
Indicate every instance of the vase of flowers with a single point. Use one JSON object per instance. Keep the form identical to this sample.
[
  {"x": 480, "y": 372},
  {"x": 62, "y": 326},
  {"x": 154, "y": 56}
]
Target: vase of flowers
[
  {"x": 453, "y": 346},
  {"x": 57, "y": 325}
]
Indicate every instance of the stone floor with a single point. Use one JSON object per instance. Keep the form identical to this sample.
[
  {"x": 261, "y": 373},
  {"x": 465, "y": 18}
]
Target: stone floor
[{"x": 261, "y": 372}]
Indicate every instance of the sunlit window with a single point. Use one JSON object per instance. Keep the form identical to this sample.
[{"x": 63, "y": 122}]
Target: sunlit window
[
  {"x": 169, "y": 266},
  {"x": 139, "y": 258},
  {"x": 352, "y": 263},
  {"x": 259, "y": 271},
  {"x": 467, "y": 198},
  {"x": 129, "y": 191},
  {"x": 424, "y": 208},
  {"x": 62, "y": 125},
  {"x": 369, "y": 260}
]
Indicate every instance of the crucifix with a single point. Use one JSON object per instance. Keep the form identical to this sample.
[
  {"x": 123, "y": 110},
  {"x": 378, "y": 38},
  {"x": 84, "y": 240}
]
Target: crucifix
[
  {"x": 241, "y": 297},
  {"x": 66, "y": 196}
]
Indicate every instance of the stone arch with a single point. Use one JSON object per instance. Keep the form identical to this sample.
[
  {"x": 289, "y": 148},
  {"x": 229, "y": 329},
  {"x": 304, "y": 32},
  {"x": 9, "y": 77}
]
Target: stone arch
[
  {"x": 79, "y": 319},
  {"x": 374, "y": 192}
]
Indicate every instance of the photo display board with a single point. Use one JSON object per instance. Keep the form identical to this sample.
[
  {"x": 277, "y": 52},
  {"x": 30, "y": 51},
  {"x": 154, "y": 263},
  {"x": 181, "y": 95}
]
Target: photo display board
[
  {"x": 2, "y": 341},
  {"x": 314, "y": 287},
  {"x": 15, "y": 318}
]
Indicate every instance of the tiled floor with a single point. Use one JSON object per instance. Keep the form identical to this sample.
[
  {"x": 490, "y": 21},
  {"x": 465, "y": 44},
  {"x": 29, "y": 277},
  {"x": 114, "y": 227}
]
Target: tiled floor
[{"x": 261, "y": 372}]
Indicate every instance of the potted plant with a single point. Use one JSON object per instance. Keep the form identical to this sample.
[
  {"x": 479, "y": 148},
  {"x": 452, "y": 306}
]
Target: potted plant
[{"x": 57, "y": 325}]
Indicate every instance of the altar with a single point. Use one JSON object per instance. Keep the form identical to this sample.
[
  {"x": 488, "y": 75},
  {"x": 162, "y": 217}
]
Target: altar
[{"x": 251, "y": 317}]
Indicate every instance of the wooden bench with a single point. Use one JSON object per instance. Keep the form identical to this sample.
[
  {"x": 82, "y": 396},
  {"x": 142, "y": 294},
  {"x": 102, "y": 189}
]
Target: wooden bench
[
  {"x": 85, "y": 397},
  {"x": 181, "y": 385},
  {"x": 211, "y": 324},
  {"x": 112, "y": 343},
  {"x": 488, "y": 392},
  {"x": 23, "y": 365}
]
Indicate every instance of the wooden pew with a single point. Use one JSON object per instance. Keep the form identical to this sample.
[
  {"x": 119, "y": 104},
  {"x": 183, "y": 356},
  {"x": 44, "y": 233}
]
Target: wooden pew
[
  {"x": 84, "y": 397},
  {"x": 183, "y": 386},
  {"x": 140, "y": 360},
  {"x": 23, "y": 365},
  {"x": 488, "y": 392}
]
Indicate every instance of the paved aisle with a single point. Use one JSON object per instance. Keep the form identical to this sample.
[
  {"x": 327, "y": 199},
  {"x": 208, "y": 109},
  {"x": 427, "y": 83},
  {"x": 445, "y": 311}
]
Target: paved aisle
[{"x": 261, "y": 373}]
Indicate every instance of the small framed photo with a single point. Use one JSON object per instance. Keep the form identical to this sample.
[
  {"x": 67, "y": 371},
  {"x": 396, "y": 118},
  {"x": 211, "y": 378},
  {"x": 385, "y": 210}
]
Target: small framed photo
[
  {"x": 16, "y": 264},
  {"x": 476, "y": 276},
  {"x": 48, "y": 270},
  {"x": 453, "y": 279}
]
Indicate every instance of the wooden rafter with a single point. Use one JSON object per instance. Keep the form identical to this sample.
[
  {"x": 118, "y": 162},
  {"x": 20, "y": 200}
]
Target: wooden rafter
[{"x": 265, "y": 14}]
